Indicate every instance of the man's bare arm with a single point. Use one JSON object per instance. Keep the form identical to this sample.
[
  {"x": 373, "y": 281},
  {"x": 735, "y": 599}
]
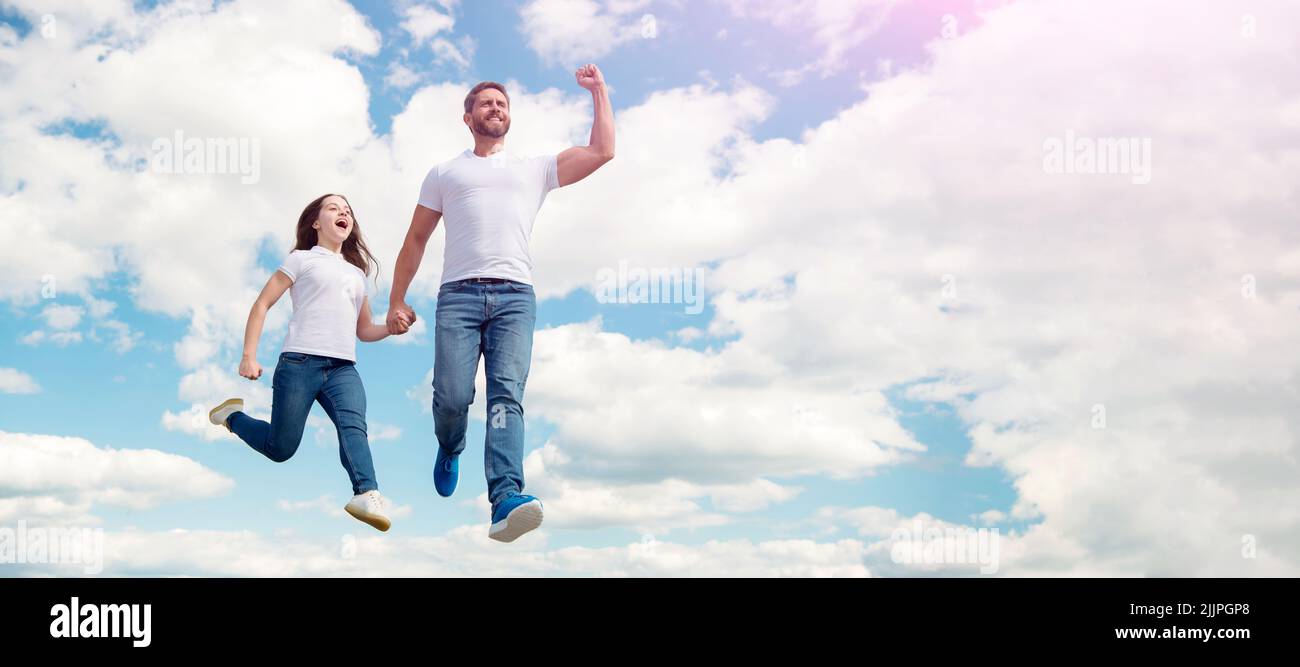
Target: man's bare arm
[
  {"x": 423, "y": 222},
  {"x": 577, "y": 163}
]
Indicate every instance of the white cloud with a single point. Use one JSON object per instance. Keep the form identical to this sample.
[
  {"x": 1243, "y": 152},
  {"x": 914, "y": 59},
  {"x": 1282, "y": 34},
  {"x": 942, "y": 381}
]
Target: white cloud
[
  {"x": 652, "y": 508},
  {"x": 64, "y": 237},
  {"x": 378, "y": 431},
  {"x": 729, "y": 417},
  {"x": 208, "y": 386},
  {"x": 422, "y": 394},
  {"x": 462, "y": 552},
  {"x": 14, "y": 381},
  {"x": 459, "y": 52},
  {"x": 1053, "y": 314},
  {"x": 837, "y": 25},
  {"x": 59, "y": 338},
  {"x": 423, "y": 22},
  {"x": 99, "y": 308},
  {"x": 659, "y": 203},
  {"x": 644, "y": 508},
  {"x": 47, "y": 509},
  {"x": 73, "y": 472},
  {"x": 1056, "y": 309},
  {"x": 62, "y": 317},
  {"x": 323, "y": 504},
  {"x": 836, "y": 249},
  {"x": 571, "y": 32},
  {"x": 401, "y": 76},
  {"x": 427, "y": 25},
  {"x": 921, "y": 544},
  {"x": 688, "y": 334},
  {"x": 751, "y": 496},
  {"x": 123, "y": 339}
]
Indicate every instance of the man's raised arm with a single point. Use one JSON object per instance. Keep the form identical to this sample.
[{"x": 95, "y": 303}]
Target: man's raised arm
[{"x": 577, "y": 163}]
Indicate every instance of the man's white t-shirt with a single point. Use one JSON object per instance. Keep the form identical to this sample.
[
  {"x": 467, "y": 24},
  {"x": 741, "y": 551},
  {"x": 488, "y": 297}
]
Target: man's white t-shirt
[
  {"x": 488, "y": 205},
  {"x": 327, "y": 294}
]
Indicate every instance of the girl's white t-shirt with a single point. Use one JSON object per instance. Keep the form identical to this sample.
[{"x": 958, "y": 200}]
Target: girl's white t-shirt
[{"x": 327, "y": 294}]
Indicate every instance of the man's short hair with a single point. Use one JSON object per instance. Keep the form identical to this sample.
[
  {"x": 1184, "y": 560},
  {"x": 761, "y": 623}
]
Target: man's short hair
[{"x": 480, "y": 87}]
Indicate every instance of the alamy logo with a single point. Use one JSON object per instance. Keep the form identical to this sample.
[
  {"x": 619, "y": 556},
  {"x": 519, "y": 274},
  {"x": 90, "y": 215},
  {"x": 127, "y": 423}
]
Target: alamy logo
[
  {"x": 1103, "y": 155},
  {"x": 208, "y": 155},
  {"x": 102, "y": 620},
  {"x": 53, "y": 545},
  {"x": 940, "y": 544},
  {"x": 636, "y": 284}
]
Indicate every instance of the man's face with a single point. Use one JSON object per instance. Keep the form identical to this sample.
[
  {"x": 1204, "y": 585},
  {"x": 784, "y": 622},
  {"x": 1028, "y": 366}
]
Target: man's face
[{"x": 490, "y": 115}]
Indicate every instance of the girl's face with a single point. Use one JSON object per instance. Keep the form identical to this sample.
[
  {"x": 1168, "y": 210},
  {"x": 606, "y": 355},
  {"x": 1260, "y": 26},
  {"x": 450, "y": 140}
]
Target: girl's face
[{"x": 334, "y": 223}]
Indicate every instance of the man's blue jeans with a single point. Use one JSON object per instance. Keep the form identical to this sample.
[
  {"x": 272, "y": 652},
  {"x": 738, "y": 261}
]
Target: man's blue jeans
[
  {"x": 495, "y": 320},
  {"x": 299, "y": 380}
]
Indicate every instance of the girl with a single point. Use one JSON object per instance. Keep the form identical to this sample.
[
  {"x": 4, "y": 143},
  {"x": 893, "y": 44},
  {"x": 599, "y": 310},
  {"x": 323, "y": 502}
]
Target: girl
[{"x": 325, "y": 275}]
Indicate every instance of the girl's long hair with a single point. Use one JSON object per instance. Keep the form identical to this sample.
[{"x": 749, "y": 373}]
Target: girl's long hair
[{"x": 354, "y": 247}]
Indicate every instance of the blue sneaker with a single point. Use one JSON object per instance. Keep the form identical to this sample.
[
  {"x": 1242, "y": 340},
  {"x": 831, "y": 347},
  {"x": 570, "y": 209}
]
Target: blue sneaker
[
  {"x": 515, "y": 516},
  {"x": 446, "y": 471}
]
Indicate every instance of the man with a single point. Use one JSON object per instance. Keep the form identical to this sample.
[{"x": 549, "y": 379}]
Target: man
[{"x": 486, "y": 305}]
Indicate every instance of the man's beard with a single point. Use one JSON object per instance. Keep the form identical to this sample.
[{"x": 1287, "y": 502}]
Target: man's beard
[{"x": 488, "y": 131}]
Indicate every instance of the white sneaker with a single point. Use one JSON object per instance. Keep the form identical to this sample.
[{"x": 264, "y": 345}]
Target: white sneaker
[
  {"x": 369, "y": 507},
  {"x": 222, "y": 412}
]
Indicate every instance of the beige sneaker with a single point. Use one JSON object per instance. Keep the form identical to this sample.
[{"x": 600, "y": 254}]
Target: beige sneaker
[
  {"x": 221, "y": 413},
  {"x": 369, "y": 507}
]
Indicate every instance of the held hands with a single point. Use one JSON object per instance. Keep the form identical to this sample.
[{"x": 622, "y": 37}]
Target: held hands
[
  {"x": 250, "y": 369},
  {"x": 589, "y": 77},
  {"x": 400, "y": 318}
]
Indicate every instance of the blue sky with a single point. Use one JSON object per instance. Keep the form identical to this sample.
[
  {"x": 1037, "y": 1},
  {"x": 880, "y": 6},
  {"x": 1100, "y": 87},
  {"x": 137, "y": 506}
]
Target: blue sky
[
  {"x": 826, "y": 294},
  {"x": 114, "y": 399},
  {"x": 679, "y": 54}
]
